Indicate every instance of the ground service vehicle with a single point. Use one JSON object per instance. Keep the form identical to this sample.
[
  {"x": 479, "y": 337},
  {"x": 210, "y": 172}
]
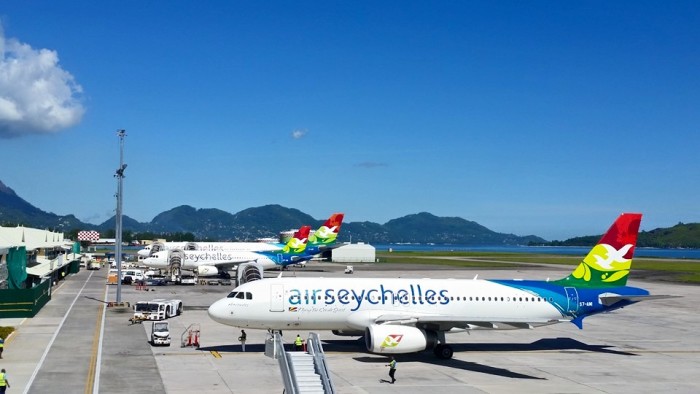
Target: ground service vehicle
[
  {"x": 135, "y": 275},
  {"x": 159, "y": 309},
  {"x": 160, "y": 333},
  {"x": 156, "y": 281}
]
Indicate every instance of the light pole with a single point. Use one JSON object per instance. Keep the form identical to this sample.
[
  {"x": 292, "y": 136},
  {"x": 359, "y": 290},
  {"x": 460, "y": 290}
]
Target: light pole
[{"x": 120, "y": 193}]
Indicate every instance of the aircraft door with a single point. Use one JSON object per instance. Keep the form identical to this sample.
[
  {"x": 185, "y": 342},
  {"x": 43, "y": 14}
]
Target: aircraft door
[
  {"x": 572, "y": 296},
  {"x": 277, "y": 298}
]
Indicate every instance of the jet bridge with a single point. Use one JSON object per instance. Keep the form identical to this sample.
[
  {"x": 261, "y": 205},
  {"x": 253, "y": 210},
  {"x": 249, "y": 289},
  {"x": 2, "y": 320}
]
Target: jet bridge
[
  {"x": 248, "y": 272},
  {"x": 175, "y": 259},
  {"x": 302, "y": 371}
]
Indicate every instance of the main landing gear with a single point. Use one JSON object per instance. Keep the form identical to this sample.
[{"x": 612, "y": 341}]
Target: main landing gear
[{"x": 443, "y": 351}]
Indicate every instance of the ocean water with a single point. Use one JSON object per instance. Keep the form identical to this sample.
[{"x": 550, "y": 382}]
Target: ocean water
[{"x": 569, "y": 250}]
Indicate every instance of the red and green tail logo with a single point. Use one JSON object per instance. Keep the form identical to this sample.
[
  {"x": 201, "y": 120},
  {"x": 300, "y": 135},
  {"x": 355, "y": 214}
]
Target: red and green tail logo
[
  {"x": 609, "y": 262},
  {"x": 328, "y": 232},
  {"x": 297, "y": 244}
]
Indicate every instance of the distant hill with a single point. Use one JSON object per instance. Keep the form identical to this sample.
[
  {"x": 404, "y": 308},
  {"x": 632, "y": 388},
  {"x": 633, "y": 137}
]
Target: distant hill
[
  {"x": 678, "y": 236},
  {"x": 15, "y": 210},
  {"x": 265, "y": 221},
  {"x": 269, "y": 220},
  {"x": 425, "y": 228}
]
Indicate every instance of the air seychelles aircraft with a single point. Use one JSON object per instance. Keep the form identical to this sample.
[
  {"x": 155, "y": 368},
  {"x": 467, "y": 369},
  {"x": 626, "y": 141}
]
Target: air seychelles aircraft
[
  {"x": 216, "y": 263},
  {"x": 299, "y": 249},
  {"x": 318, "y": 242},
  {"x": 410, "y": 315}
]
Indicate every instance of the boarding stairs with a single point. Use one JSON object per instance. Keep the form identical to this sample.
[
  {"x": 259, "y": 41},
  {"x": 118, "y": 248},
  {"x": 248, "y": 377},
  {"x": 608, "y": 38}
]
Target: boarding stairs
[{"x": 302, "y": 371}]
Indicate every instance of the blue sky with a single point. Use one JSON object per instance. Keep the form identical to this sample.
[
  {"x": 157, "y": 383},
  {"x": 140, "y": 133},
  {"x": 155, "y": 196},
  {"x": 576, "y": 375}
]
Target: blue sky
[{"x": 545, "y": 117}]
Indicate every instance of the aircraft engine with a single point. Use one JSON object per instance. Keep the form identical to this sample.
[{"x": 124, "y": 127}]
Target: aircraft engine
[
  {"x": 207, "y": 270},
  {"x": 394, "y": 339}
]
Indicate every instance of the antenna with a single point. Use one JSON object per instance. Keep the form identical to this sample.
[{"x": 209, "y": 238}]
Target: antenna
[{"x": 120, "y": 193}]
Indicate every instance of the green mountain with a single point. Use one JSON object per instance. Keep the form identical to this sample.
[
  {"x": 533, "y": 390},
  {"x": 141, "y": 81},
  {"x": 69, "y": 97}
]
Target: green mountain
[
  {"x": 269, "y": 220},
  {"x": 425, "y": 228},
  {"x": 678, "y": 236},
  {"x": 16, "y": 211}
]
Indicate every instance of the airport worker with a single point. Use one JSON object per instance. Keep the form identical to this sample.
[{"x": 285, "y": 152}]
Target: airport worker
[
  {"x": 298, "y": 342},
  {"x": 2, "y": 345},
  {"x": 242, "y": 338},
  {"x": 392, "y": 369},
  {"x": 4, "y": 383}
]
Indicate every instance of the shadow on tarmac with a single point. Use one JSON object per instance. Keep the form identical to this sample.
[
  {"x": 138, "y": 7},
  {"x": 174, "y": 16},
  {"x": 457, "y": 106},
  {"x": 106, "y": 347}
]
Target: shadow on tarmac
[
  {"x": 452, "y": 363},
  {"x": 96, "y": 299},
  {"x": 357, "y": 345},
  {"x": 554, "y": 344}
]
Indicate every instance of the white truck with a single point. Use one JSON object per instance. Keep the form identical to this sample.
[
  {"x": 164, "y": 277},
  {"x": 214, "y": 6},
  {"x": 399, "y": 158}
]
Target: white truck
[
  {"x": 160, "y": 333},
  {"x": 158, "y": 309}
]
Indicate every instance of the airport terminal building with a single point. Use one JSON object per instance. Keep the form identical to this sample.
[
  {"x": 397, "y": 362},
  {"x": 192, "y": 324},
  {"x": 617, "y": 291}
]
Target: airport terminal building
[{"x": 31, "y": 261}]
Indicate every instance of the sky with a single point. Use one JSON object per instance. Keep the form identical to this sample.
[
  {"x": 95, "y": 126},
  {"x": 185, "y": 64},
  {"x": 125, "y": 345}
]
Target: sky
[{"x": 545, "y": 117}]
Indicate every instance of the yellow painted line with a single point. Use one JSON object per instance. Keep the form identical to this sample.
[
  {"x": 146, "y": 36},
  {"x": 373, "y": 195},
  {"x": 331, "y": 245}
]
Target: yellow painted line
[
  {"x": 215, "y": 354},
  {"x": 90, "y": 381}
]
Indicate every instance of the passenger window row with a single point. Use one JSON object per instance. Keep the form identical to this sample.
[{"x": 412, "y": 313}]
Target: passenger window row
[{"x": 472, "y": 298}]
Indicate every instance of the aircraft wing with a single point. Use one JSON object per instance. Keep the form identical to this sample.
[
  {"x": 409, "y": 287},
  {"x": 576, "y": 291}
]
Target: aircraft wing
[
  {"x": 448, "y": 322},
  {"x": 227, "y": 265}
]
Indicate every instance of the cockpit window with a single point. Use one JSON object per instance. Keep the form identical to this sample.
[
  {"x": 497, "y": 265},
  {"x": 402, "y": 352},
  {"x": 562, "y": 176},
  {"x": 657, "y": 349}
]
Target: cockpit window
[{"x": 241, "y": 295}]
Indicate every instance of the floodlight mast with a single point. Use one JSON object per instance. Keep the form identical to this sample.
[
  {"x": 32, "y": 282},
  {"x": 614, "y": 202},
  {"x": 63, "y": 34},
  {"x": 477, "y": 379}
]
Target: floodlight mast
[{"x": 118, "y": 233}]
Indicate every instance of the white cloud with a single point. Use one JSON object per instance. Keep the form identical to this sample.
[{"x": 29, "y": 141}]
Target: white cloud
[
  {"x": 299, "y": 133},
  {"x": 36, "y": 94}
]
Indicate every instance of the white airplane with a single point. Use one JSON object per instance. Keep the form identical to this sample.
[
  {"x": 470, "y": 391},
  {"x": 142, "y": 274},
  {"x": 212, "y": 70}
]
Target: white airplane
[
  {"x": 217, "y": 263},
  {"x": 410, "y": 315},
  {"x": 325, "y": 235}
]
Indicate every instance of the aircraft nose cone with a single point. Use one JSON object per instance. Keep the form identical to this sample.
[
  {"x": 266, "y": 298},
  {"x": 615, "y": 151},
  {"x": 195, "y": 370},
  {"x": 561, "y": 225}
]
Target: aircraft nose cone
[{"x": 219, "y": 313}]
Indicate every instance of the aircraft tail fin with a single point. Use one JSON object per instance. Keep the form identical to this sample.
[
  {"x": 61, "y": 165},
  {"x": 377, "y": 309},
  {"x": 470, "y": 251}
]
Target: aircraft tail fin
[
  {"x": 608, "y": 263},
  {"x": 328, "y": 232},
  {"x": 297, "y": 244}
]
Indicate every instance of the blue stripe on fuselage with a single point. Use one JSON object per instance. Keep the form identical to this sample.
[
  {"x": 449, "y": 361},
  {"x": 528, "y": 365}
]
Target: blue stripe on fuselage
[{"x": 587, "y": 297}]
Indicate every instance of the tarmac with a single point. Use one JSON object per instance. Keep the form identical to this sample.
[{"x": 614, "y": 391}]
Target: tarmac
[{"x": 77, "y": 344}]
